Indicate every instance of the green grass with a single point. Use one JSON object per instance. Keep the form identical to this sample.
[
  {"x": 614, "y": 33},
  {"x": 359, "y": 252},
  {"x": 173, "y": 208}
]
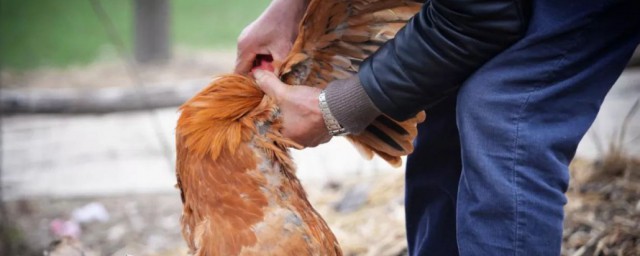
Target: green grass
[
  {"x": 35, "y": 33},
  {"x": 213, "y": 23}
]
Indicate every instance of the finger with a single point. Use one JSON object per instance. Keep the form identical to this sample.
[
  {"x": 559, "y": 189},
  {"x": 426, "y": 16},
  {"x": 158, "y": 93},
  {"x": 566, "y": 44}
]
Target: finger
[
  {"x": 325, "y": 139},
  {"x": 244, "y": 63},
  {"x": 245, "y": 60},
  {"x": 269, "y": 83},
  {"x": 295, "y": 145},
  {"x": 244, "y": 54},
  {"x": 280, "y": 52},
  {"x": 320, "y": 140}
]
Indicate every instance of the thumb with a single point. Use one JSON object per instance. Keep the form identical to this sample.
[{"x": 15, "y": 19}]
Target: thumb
[{"x": 269, "y": 83}]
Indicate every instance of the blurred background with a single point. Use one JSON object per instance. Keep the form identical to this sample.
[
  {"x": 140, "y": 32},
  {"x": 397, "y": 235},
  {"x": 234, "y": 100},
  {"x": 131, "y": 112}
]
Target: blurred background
[{"x": 89, "y": 96}]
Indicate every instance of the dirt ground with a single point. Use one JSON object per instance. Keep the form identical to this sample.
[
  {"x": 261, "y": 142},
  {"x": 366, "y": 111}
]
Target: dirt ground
[
  {"x": 365, "y": 211},
  {"x": 137, "y": 225},
  {"x": 366, "y": 214},
  {"x": 149, "y": 224}
]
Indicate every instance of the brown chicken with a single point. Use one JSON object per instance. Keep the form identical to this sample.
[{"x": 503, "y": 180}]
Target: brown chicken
[{"x": 238, "y": 186}]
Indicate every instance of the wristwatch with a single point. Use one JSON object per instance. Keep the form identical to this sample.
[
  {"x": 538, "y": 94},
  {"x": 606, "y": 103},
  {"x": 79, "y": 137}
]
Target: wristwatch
[{"x": 335, "y": 129}]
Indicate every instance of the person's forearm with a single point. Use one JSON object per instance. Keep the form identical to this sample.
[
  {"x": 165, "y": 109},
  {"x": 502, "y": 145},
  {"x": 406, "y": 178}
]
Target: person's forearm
[
  {"x": 290, "y": 10},
  {"x": 350, "y": 105},
  {"x": 438, "y": 50}
]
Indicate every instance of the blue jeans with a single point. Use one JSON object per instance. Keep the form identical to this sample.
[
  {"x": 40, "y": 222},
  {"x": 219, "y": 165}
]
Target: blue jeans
[{"x": 490, "y": 167}]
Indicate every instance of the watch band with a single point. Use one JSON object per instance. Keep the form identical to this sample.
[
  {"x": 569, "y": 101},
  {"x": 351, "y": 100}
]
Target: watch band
[{"x": 335, "y": 129}]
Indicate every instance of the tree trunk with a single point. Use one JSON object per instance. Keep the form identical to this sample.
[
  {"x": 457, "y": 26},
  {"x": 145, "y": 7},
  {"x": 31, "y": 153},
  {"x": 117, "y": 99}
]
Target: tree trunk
[
  {"x": 102, "y": 100},
  {"x": 152, "y": 43}
]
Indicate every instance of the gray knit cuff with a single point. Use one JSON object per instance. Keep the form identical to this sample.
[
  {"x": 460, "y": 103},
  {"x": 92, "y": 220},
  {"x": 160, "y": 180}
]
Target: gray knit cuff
[{"x": 350, "y": 105}]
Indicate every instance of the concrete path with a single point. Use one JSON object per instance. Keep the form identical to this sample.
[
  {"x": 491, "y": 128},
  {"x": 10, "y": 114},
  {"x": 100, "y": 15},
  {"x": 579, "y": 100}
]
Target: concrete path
[
  {"x": 88, "y": 155},
  {"x": 119, "y": 153}
]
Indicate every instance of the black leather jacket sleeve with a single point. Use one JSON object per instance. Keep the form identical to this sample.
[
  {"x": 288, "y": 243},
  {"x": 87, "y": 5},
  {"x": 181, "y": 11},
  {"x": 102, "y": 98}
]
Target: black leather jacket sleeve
[{"x": 438, "y": 50}]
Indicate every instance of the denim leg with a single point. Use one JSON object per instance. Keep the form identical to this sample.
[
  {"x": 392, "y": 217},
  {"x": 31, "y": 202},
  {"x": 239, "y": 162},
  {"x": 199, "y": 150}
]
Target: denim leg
[
  {"x": 521, "y": 117},
  {"x": 433, "y": 171}
]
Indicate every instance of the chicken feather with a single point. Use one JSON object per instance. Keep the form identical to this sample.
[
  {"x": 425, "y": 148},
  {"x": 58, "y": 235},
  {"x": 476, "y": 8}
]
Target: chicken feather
[
  {"x": 239, "y": 191},
  {"x": 333, "y": 40},
  {"x": 236, "y": 177}
]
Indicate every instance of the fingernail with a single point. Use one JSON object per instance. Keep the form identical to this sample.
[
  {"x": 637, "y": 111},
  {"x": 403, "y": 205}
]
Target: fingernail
[{"x": 258, "y": 74}]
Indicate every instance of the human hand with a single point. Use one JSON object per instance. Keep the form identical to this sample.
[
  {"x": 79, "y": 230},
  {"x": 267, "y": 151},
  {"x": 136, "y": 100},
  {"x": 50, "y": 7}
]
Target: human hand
[
  {"x": 272, "y": 33},
  {"x": 302, "y": 119}
]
